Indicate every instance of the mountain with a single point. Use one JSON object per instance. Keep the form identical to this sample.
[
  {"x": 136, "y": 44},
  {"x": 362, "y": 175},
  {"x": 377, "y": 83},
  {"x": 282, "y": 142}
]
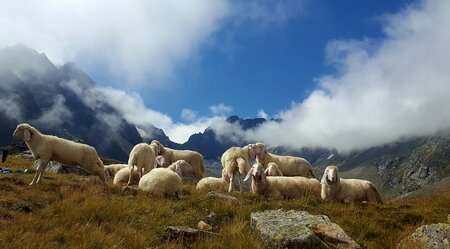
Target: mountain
[{"x": 55, "y": 101}]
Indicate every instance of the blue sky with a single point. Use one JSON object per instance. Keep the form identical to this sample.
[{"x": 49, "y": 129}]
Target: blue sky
[{"x": 339, "y": 74}]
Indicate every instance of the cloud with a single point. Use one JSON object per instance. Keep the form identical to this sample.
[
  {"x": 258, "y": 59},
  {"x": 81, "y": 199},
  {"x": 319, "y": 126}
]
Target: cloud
[
  {"x": 220, "y": 109},
  {"x": 383, "y": 90},
  {"x": 262, "y": 114},
  {"x": 136, "y": 39},
  {"x": 56, "y": 115},
  {"x": 188, "y": 115}
]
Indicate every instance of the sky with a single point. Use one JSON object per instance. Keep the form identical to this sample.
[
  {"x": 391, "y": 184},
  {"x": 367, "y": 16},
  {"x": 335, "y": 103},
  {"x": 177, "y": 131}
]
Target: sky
[{"x": 340, "y": 74}]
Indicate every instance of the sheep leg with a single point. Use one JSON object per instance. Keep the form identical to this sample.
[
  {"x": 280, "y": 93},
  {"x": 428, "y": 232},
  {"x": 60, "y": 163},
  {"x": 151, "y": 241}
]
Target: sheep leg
[
  {"x": 39, "y": 172},
  {"x": 230, "y": 188},
  {"x": 240, "y": 182},
  {"x": 129, "y": 177}
]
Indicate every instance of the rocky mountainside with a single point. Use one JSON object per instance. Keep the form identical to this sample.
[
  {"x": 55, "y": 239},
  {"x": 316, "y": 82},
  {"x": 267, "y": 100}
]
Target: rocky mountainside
[{"x": 34, "y": 90}]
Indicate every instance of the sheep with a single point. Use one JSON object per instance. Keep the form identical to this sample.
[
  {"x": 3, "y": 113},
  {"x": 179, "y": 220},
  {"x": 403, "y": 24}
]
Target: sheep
[
  {"x": 123, "y": 176},
  {"x": 162, "y": 182},
  {"x": 336, "y": 189},
  {"x": 182, "y": 165},
  {"x": 194, "y": 158},
  {"x": 112, "y": 169},
  {"x": 235, "y": 161},
  {"x": 288, "y": 165},
  {"x": 281, "y": 187},
  {"x": 143, "y": 156},
  {"x": 160, "y": 162},
  {"x": 214, "y": 183},
  {"x": 51, "y": 148},
  {"x": 273, "y": 170}
]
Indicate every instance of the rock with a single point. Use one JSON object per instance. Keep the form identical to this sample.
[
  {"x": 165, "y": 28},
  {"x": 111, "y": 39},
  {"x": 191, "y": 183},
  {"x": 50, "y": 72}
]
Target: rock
[
  {"x": 186, "y": 233},
  {"x": 204, "y": 226},
  {"x": 299, "y": 229},
  {"x": 434, "y": 236},
  {"x": 56, "y": 167},
  {"x": 218, "y": 195},
  {"x": 212, "y": 220}
]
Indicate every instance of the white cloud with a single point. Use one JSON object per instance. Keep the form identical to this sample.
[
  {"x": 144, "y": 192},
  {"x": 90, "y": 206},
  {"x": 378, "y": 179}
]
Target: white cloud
[
  {"x": 56, "y": 115},
  {"x": 262, "y": 114},
  {"x": 220, "y": 109},
  {"x": 188, "y": 115},
  {"x": 383, "y": 91},
  {"x": 138, "y": 39}
]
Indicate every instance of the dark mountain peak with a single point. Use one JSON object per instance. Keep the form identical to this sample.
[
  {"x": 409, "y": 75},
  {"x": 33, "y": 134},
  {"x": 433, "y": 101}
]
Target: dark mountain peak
[
  {"x": 246, "y": 123},
  {"x": 72, "y": 71}
]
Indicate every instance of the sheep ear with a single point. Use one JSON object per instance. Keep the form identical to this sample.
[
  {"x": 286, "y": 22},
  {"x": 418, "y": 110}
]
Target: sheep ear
[
  {"x": 266, "y": 171},
  {"x": 279, "y": 172},
  {"x": 26, "y": 135},
  {"x": 249, "y": 173}
]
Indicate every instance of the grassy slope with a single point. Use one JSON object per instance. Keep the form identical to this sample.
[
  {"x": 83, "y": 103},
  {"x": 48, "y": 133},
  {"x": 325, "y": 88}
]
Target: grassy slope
[{"x": 69, "y": 211}]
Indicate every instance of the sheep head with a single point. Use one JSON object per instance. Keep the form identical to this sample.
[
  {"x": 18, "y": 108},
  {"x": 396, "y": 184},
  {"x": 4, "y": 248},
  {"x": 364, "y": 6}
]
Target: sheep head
[
  {"x": 158, "y": 147},
  {"x": 23, "y": 131},
  {"x": 273, "y": 170},
  {"x": 261, "y": 149},
  {"x": 183, "y": 166},
  {"x": 330, "y": 176},
  {"x": 257, "y": 173},
  {"x": 251, "y": 151},
  {"x": 160, "y": 162}
]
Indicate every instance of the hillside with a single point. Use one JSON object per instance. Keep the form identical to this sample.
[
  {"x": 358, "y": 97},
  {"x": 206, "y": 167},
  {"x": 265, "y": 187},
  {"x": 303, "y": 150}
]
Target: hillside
[{"x": 71, "y": 211}]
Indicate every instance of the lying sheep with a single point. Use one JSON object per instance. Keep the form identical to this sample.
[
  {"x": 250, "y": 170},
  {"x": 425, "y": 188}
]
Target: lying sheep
[
  {"x": 51, "y": 148},
  {"x": 214, "y": 184},
  {"x": 273, "y": 170},
  {"x": 123, "y": 176},
  {"x": 194, "y": 158},
  {"x": 143, "y": 157},
  {"x": 288, "y": 165},
  {"x": 336, "y": 189},
  {"x": 281, "y": 187},
  {"x": 112, "y": 169},
  {"x": 162, "y": 182},
  {"x": 182, "y": 165},
  {"x": 235, "y": 161}
]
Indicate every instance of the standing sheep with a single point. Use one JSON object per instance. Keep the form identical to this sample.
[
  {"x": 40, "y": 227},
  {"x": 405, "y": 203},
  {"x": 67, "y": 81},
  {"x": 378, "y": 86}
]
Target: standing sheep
[
  {"x": 288, "y": 165},
  {"x": 51, "y": 148},
  {"x": 336, "y": 189},
  {"x": 143, "y": 157},
  {"x": 194, "y": 158},
  {"x": 281, "y": 187},
  {"x": 214, "y": 183},
  {"x": 273, "y": 170},
  {"x": 235, "y": 161},
  {"x": 112, "y": 169}
]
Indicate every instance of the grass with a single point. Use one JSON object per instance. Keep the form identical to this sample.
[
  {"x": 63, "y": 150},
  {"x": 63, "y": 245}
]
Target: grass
[{"x": 70, "y": 211}]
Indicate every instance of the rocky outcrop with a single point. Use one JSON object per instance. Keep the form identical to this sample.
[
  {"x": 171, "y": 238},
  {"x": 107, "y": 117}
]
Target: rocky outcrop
[
  {"x": 56, "y": 167},
  {"x": 186, "y": 233},
  {"x": 299, "y": 229},
  {"x": 434, "y": 236}
]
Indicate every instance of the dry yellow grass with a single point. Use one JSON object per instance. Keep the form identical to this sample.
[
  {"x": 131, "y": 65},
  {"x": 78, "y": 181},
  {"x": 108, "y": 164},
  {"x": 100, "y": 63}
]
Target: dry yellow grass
[{"x": 70, "y": 211}]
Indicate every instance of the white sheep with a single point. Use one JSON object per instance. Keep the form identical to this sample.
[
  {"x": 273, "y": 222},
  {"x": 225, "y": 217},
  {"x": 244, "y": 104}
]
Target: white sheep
[
  {"x": 273, "y": 170},
  {"x": 214, "y": 183},
  {"x": 194, "y": 158},
  {"x": 281, "y": 187},
  {"x": 51, "y": 148},
  {"x": 162, "y": 182},
  {"x": 235, "y": 161},
  {"x": 288, "y": 165},
  {"x": 336, "y": 189},
  {"x": 182, "y": 165},
  {"x": 143, "y": 157},
  {"x": 123, "y": 176},
  {"x": 160, "y": 162},
  {"x": 112, "y": 169}
]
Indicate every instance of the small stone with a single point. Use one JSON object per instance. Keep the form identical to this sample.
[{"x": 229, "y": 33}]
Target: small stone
[
  {"x": 218, "y": 195},
  {"x": 204, "y": 226},
  {"x": 186, "y": 233},
  {"x": 212, "y": 220}
]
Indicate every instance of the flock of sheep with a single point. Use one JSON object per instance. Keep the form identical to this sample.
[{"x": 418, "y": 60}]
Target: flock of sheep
[{"x": 158, "y": 170}]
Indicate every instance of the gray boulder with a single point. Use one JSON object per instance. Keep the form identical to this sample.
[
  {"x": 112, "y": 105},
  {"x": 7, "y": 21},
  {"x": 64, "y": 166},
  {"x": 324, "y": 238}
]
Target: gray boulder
[
  {"x": 186, "y": 233},
  {"x": 434, "y": 236},
  {"x": 56, "y": 167},
  {"x": 299, "y": 229}
]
